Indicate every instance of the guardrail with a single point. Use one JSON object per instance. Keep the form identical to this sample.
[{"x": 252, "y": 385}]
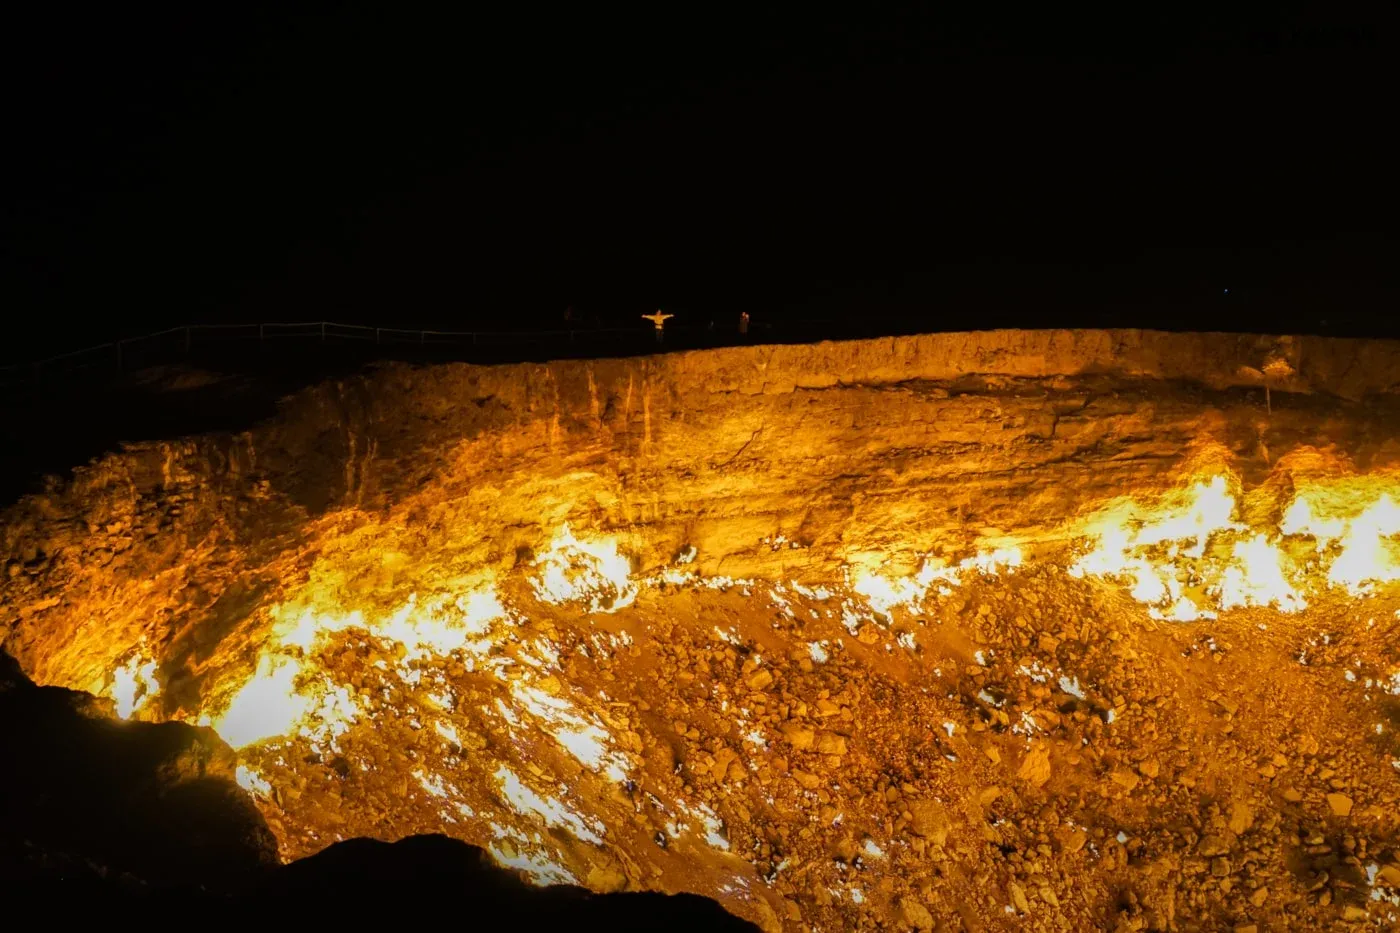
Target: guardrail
[{"x": 171, "y": 344}]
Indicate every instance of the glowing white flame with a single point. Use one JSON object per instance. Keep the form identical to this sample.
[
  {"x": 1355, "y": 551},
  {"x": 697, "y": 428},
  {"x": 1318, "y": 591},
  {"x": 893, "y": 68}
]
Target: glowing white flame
[
  {"x": 584, "y": 740},
  {"x": 1363, "y": 554},
  {"x": 575, "y": 571},
  {"x": 439, "y": 627},
  {"x": 884, "y": 594},
  {"x": 251, "y": 781},
  {"x": 267, "y": 706},
  {"x": 1256, "y": 578},
  {"x": 1208, "y": 510},
  {"x": 133, "y": 685},
  {"x": 432, "y": 783},
  {"x": 1129, "y": 539},
  {"x": 539, "y": 869},
  {"x": 554, "y": 813},
  {"x": 284, "y": 697},
  {"x": 1351, "y": 522}
]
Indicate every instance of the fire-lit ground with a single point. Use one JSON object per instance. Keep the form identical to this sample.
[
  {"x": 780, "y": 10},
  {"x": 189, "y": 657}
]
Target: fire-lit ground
[
  {"x": 1168, "y": 709},
  {"x": 998, "y": 736}
]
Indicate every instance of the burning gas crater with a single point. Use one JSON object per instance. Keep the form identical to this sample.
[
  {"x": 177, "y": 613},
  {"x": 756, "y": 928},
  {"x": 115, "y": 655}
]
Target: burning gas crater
[
  {"x": 478, "y": 712},
  {"x": 1188, "y": 556}
]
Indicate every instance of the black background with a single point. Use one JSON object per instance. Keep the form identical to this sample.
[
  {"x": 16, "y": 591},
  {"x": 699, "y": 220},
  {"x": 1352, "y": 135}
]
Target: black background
[{"x": 486, "y": 167}]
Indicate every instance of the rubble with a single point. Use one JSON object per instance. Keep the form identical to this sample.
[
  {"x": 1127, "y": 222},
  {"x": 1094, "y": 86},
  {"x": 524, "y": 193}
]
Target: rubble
[{"x": 894, "y": 723}]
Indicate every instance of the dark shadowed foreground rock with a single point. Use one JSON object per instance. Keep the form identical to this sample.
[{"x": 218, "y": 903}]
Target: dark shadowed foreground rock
[
  {"x": 426, "y": 872},
  {"x": 83, "y": 795},
  {"x": 99, "y": 815}
]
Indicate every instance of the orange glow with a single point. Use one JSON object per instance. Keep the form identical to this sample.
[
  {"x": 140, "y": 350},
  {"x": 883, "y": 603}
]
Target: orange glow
[
  {"x": 1189, "y": 556},
  {"x": 133, "y": 685},
  {"x": 268, "y": 705},
  {"x": 1255, "y": 577},
  {"x": 1148, "y": 546},
  {"x": 884, "y": 594},
  {"x": 1351, "y": 524},
  {"x": 584, "y": 571},
  {"x": 1185, "y": 555}
]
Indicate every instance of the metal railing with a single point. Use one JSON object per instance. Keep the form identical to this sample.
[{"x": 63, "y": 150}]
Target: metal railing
[{"x": 169, "y": 345}]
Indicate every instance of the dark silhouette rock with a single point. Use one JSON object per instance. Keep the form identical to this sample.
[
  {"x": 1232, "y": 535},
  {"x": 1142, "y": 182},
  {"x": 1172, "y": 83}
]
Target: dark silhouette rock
[
  {"x": 156, "y": 802},
  {"x": 431, "y": 870},
  {"x": 98, "y": 815}
]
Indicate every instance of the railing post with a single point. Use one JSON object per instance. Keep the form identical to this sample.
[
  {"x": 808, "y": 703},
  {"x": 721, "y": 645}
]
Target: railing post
[
  {"x": 323, "y": 331},
  {"x": 260, "y": 332},
  {"x": 187, "y": 340},
  {"x": 376, "y": 335}
]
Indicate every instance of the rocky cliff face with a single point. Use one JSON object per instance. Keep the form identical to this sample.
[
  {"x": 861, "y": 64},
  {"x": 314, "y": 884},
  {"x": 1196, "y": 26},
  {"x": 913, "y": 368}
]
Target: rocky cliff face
[
  {"x": 795, "y": 465},
  {"x": 898, "y": 447}
]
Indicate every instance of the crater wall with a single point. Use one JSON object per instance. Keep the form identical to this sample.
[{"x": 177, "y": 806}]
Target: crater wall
[{"x": 886, "y": 448}]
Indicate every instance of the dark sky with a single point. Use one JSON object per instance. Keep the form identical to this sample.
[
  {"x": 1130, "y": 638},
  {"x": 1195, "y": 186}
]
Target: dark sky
[{"x": 487, "y": 167}]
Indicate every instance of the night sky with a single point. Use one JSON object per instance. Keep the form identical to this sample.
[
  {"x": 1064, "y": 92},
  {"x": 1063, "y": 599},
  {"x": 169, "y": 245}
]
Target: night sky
[{"x": 487, "y": 168}]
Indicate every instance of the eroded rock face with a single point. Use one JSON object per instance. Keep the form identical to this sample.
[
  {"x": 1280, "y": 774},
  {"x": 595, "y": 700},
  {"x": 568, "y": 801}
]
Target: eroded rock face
[
  {"x": 696, "y": 689},
  {"x": 895, "y": 447}
]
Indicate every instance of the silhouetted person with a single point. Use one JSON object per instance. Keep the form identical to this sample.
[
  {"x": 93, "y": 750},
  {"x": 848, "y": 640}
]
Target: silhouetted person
[
  {"x": 743, "y": 323},
  {"x": 659, "y": 319}
]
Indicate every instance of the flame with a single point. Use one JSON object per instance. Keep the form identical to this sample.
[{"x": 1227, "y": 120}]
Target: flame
[
  {"x": 575, "y": 571},
  {"x": 1186, "y": 555},
  {"x": 439, "y": 627},
  {"x": 1256, "y": 578},
  {"x": 268, "y": 705},
  {"x": 884, "y": 594},
  {"x": 1206, "y": 510},
  {"x": 133, "y": 685},
  {"x": 252, "y": 782},
  {"x": 1167, "y": 550},
  {"x": 1152, "y": 547},
  {"x": 1182, "y": 523},
  {"x": 293, "y": 693},
  {"x": 1353, "y": 523},
  {"x": 287, "y": 695},
  {"x": 586, "y": 741},
  {"x": 554, "y": 813},
  {"x": 540, "y": 869}
]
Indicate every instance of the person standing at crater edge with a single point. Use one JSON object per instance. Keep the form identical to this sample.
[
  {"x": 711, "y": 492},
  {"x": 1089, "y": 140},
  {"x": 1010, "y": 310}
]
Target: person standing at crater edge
[{"x": 659, "y": 319}]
